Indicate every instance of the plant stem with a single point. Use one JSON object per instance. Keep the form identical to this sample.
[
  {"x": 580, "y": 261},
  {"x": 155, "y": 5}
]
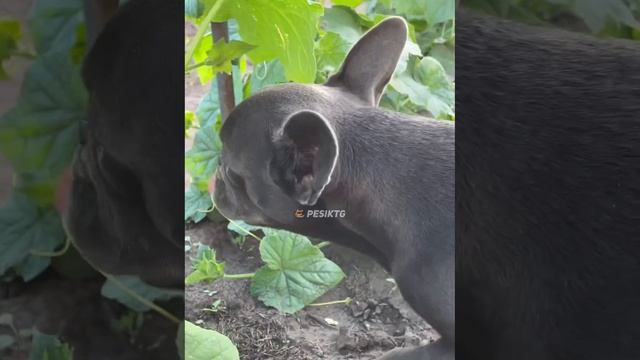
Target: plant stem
[
  {"x": 141, "y": 299},
  {"x": 238, "y": 276},
  {"x": 23, "y": 54},
  {"x": 53, "y": 253},
  {"x": 323, "y": 244},
  {"x": 346, "y": 301},
  {"x": 204, "y": 25},
  {"x": 247, "y": 232},
  {"x": 226, "y": 97}
]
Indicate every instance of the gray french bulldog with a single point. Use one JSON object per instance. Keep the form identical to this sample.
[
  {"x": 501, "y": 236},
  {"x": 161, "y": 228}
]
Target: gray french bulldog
[{"x": 293, "y": 148}]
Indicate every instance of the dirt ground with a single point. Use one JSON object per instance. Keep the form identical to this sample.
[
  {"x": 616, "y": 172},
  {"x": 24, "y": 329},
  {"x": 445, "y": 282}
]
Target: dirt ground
[{"x": 377, "y": 320}]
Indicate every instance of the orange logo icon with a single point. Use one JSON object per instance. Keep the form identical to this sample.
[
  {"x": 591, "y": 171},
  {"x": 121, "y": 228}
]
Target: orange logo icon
[{"x": 299, "y": 213}]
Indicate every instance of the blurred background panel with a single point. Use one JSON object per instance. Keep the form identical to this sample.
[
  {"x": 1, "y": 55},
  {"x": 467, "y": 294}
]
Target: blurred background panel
[{"x": 53, "y": 304}]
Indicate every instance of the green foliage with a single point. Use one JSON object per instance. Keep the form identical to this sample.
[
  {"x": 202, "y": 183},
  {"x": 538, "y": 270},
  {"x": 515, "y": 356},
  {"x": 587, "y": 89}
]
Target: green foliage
[
  {"x": 53, "y": 24},
  {"x": 614, "y": 18},
  {"x": 40, "y": 134},
  {"x": 298, "y": 40},
  {"x": 206, "y": 267},
  {"x": 134, "y": 284},
  {"x": 295, "y": 272},
  {"x": 47, "y": 347},
  {"x": 9, "y": 36},
  {"x": 203, "y": 344},
  {"x": 25, "y": 227}
]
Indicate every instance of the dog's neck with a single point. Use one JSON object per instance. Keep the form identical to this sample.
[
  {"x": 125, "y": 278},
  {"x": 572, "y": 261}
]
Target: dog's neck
[{"x": 416, "y": 177}]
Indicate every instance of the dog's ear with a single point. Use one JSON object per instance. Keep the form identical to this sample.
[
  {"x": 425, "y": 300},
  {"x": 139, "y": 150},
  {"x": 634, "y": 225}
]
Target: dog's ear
[
  {"x": 308, "y": 150},
  {"x": 372, "y": 60}
]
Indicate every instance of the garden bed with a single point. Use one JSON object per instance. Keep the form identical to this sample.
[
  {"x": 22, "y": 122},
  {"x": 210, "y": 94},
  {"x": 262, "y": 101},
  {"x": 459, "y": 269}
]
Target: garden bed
[{"x": 376, "y": 321}]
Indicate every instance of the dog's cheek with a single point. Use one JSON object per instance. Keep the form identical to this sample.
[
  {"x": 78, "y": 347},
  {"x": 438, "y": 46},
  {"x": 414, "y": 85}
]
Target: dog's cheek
[{"x": 63, "y": 191}]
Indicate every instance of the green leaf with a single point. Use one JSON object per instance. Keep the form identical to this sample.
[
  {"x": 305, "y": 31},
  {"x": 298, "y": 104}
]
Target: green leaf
[
  {"x": 349, "y": 3},
  {"x": 296, "y": 272},
  {"x": 434, "y": 11},
  {"x": 596, "y": 12},
  {"x": 203, "y": 344},
  {"x": 40, "y": 134},
  {"x": 48, "y": 347},
  {"x": 202, "y": 159},
  {"x": 25, "y": 227},
  {"x": 112, "y": 291},
  {"x": 446, "y": 57},
  {"x": 221, "y": 53},
  {"x": 79, "y": 49},
  {"x": 180, "y": 340},
  {"x": 343, "y": 21},
  {"x": 265, "y": 74},
  {"x": 193, "y": 8},
  {"x": 281, "y": 29},
  {"x": 197, "y": 203},
  {"x": 200, "y": 54},
  {"x": 209, "y": 107},
  {"x": 330, "y": 53},
  {"x": 241, "y": 227},
  {"x": 206, "y": 267},
  {"x": 53, "y": 24},
  {"x": 189, "y": 120},
  {"x": 426, "y": 84},
  {"x": 6, "y": 341},
  {"x": 9, "y": 36}
]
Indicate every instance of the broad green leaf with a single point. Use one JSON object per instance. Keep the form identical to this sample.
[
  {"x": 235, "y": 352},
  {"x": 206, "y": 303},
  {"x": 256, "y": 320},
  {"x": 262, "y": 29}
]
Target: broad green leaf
[
  {"x": 266, "y": 74},
  {"x": 343, "y": 21},
  {"x": 280, "y": 29},
  {"x": 25, "y": 227},
  {"x": 189, "y": 120},
  {"x": 330, "y": 52},
  {"x": 349, "y": 3},
  {"x": 9, "y": 36},
  {"x": 296, "y": 272},
  {"x": 6, "y": 341},
  {"x": 205, "y": 267},
  {"x": 197, "y": 203},
  {"x": 202, "y": 159},
  {"x": 6, "y": 319},
  {"x": 193, "y": 8},
  {"x": 48, "y": 347},
  {"x": 209, "y": 107},
  {"x": 40, "y": 134},
  {"x": 446, "y": 57},
  {"x": 434, "y": 11},
  {"x": 112, "y": 291},
  {"x": 596, "y": 12},
  {"x": 79, "y": 48},
  {"x": 221, "y": 53},
  {"x": 426, "y": 84},
  {"x": 203, "y": 344},
  {"x": 410, "y": 48},
  {"x": 201, "y": 53},
  {"x": 53, "y": 24}
]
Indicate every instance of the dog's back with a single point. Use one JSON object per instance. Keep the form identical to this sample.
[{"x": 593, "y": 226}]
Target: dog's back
[{"x": 547, "y": 193}]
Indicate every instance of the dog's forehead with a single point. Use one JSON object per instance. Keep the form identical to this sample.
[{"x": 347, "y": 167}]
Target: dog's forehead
[{"x": 260, "y": 116}]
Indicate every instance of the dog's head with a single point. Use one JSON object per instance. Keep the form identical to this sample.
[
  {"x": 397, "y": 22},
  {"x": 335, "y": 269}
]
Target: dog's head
[
  {"x": 281, "y": 146},
  {"x": 125, "y": 208}
]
